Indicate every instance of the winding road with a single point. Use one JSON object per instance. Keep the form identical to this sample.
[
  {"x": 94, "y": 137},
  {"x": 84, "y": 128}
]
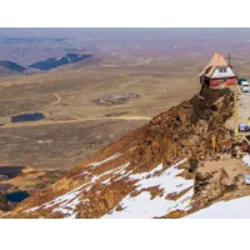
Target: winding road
[{"x": 57, "y": 101}]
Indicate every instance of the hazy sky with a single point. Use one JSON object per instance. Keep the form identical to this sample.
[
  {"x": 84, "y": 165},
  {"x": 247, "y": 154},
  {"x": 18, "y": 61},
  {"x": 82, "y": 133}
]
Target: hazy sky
[{"x": 68, "y": 30}]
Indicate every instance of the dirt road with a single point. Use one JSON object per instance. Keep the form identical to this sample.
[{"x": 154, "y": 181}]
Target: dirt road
[
  {"x": 244, "y": 107},
  {"x": 243, "y": 110},
  {"x": 50, "y": 122}
]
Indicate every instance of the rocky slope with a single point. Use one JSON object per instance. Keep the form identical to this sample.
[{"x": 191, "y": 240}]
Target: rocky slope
[{"x": 153, "y": 172}]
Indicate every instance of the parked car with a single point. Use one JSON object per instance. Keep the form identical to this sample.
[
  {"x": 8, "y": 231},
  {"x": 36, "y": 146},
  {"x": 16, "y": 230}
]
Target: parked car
[
  {"x": 247, "y": 179},
  {"x": 245, "y": 87},
  {"x": 241, "y": 80},
  {"x": 244, "y": 128}
]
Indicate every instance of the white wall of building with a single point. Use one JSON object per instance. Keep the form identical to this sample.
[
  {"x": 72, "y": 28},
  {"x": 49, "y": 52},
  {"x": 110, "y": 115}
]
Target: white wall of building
[{"x": 218, "y": 74}]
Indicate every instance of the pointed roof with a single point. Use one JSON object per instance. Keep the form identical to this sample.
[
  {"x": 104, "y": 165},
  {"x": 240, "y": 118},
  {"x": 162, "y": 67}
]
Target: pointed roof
[{"x": 217, "y": 60}]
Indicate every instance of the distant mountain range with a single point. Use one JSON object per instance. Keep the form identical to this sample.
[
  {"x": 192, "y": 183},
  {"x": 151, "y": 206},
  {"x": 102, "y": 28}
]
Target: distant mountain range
[
  {"x": 59, "y": 61},
  {"x": 8, "y": 67},
  {"x": 28, "y": 40}
]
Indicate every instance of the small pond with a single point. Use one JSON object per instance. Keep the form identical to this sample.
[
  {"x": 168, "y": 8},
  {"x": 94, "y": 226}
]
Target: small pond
[
  {"x": 27, "y": 117},
  {"x": 17, "y": 196}
]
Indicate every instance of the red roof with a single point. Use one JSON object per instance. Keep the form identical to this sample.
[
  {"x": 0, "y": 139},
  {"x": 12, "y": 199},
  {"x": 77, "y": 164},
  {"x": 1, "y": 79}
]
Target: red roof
[{"x": 216, "y": 61}]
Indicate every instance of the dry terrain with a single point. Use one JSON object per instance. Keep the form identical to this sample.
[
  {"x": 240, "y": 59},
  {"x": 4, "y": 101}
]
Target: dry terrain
[
  {"x": 83, "y": 109},
  {"x": 145, "y": 174},
  {"x": 165, "y": 169},
  {"x": 75, "y": 126}
]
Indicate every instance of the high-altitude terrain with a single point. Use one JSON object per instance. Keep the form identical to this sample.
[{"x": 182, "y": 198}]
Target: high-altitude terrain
[
  {"x": 85, "y": 108},
  {"x": 165, "y": 169},
  {"x": 80, "y": 108}
]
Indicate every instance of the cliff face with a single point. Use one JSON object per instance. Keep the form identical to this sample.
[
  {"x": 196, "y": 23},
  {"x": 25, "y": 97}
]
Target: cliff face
[{"x": 150, "y": 173}]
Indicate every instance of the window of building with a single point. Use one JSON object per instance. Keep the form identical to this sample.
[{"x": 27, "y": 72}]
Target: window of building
[{"x": 222, "y": 69}]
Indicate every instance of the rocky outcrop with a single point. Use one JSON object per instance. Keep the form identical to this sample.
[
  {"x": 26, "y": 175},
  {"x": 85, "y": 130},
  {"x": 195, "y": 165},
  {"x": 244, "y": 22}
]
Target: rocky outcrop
[
  {"x": 211, "y": 186},
  {"x": 4, "y": 205},
  {"x": 183, "y": 131}
]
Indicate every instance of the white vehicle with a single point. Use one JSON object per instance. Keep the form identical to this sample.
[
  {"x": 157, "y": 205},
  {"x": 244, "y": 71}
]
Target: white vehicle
[
  {"x": 245, "y": 86},
  {"x": 247, "y": 179}
]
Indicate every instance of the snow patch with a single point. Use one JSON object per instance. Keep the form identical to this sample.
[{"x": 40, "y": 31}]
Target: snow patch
[
  {"x": 168, "y": 181},
  {"x": 66, "y": 203},
  {"x": 158, "y": 168},
  {"x": 32, "y": 209},
  {"x": 65, "y": 199},
  {"x": 141, "y": 206},
  {"x": 88, "y": 188},
  {"x": 132, "y": 149},
  {"x": 68, "y": 206},
  {"x": 119, "y": 170},
  {"x": 144, "y": 175},
  {"x": 111, "y": 158},
  {"x": 124, "y": 175},
  {"x": 84, "y": 173},
  {"x": 233, "y": 209},
  {"x": 106, "y": 181},
  {"x": 246, "y": 160}
]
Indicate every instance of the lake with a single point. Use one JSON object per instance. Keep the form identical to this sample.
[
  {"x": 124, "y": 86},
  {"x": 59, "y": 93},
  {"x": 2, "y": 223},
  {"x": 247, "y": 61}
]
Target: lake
[
  {"x": 17, "y": 196},
  {"x": 27, "y": 117}
]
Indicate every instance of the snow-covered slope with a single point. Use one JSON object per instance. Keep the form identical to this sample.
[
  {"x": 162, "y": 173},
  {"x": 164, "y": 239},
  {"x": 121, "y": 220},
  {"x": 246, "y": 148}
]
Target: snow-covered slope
[
  {"x": 143, "y": 206},
  {"x": 233, "y": 209}
]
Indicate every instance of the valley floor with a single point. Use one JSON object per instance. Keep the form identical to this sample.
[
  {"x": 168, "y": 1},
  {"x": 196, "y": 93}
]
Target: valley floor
[{"x": 75, "y": 127}]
